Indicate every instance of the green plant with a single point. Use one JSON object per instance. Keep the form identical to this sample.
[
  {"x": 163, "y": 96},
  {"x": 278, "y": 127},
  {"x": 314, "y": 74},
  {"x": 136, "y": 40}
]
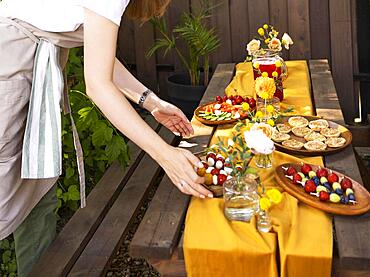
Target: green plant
[
  {"x": 200, "y": 41},
  {"x": 8, "y": 263}
]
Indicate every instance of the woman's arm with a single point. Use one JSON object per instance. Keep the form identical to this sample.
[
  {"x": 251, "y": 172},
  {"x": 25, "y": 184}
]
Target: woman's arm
[
  {"x": 164, "y": 112},
  {"x": 100, "y": 36}
]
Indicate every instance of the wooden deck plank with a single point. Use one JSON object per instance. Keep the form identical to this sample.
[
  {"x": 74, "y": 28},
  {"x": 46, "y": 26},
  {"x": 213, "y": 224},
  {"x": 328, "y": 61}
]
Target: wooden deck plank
[
  {"x": 68, "y": 245},
  {"x": 353, "y": 233},
  {"x": 107, "y": 237},
  {"x": 158, "y": 233}
]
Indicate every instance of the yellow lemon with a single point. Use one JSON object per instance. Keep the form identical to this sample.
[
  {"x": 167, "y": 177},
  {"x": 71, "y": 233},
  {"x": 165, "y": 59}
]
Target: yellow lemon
[
  {"x": 274, "y": 195},
  {"x": 270, "y": 108},
  {"x": 275, "y": 74},
  {"x": 265, "y": 26},
  {"x": 278, "y": 63},
  {"x": 265, "y": 203},
  {"x": 271, "y": 122},
  {"x": 256, "y": 65},
  {"x": 259, "y": 114},
  {"x": 245, "y": 106},
  {"x": 265, "y": 74},
  {"x": 261, "y": 32}
]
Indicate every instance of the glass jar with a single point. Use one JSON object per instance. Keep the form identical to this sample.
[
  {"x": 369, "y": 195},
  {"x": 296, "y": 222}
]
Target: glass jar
[
  {"x": 241, "y": 198},
  {"x": 263, "y": 160},
  {"x": 263, "y": 221},
  {"x": 270, "y": 108},
  {"x": 270, "y": 61}
]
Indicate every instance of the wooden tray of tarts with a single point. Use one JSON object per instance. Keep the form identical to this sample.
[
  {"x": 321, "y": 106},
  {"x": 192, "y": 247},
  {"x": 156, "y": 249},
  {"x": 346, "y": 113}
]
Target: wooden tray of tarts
[
  {"x": 344, "y": 134},
  {"x": 362, "y": 196}
]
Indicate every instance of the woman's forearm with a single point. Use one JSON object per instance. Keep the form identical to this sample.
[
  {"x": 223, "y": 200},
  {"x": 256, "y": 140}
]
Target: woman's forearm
[{"x": 131, "y": 87}]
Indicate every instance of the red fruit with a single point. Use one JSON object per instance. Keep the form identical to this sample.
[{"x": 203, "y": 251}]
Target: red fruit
[
  {"x": 309, "y": 186},
  {"x": 221, "y": 179},
  {"x": 324, "y": 196},
  {"x": 211, "y": 155},
  {"x": 219, "y": 99},
  {"x": 252, "y": 103},
  {"x": 231, "y": 97},
  {"x": 227, "y": 165},
  {"x": 346, "y": 184},
  {"x": 224, "y": 98},
  {"x": 215, "y": 171},
  {"x": 279, "y": 94},
  {"x": 239, "y": 100},
  {"x": 332, "y": 178},
  {"x": 233, "y": 102},
  {"x": 322, "y": 172},
  {"x": 220, "y": 159},
  {"x": 297, "y": 178},
  {"x": 291, "y": 171},
  {"x": 305, "y": 169},
  {"x": 246, "y": 99},
  {"x": 205, "y": 165}
]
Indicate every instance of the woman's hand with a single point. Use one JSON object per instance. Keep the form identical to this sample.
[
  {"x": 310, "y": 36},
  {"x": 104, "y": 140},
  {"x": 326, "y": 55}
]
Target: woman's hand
[
  {"x": 172, "y": 118},
  {"x": 179, "y": 165}
]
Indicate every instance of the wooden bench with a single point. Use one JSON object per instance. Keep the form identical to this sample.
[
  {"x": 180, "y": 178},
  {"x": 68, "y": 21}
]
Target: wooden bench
[{"x": 90, "y": 239}]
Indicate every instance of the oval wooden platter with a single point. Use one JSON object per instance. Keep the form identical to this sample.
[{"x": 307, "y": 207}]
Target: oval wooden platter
[
  {"x": 345, "y": 133},
  {"x": 213, "y": 122},
  {"x": 361, "y": 194}
]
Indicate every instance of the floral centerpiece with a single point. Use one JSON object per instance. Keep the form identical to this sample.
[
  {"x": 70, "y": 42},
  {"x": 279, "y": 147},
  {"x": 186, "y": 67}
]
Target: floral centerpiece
[{"x": 268, "y": 105}]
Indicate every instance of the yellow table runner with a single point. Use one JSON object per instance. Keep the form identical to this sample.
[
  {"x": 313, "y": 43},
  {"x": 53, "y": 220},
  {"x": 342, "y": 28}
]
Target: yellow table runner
[{"x": 300, "y": 243}]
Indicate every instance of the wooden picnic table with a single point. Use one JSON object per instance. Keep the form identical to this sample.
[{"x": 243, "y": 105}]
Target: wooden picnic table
[{"x": 90, "y": 239}]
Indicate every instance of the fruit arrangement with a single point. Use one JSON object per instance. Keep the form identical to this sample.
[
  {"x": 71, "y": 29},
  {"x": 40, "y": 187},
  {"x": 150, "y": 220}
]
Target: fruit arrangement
[
  {"x": 324, "y": 184},
  {"x": 227, "y": 108}
]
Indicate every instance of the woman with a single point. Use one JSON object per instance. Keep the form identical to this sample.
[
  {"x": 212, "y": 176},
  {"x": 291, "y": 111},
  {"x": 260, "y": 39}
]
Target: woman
[{"x": 33, "y": 37}]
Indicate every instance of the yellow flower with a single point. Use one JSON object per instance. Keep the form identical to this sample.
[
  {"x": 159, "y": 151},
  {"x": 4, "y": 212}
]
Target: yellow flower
[
  {"x": 265, "y": 26},
  {"x": 265, "y": 74},
  {"x": 256, "y": 65},
  {"x": 264, "y": 203},
  {"x": 278, "y": 63},
  {"x": 271, "y": 122},
  {"x": 275, "y": 74},
  {"x": 265, "y": 87},
  {"x": 261, "y": 32},
  {"x": 267, "y": 41},
  {"x": 270, "y": 108},
  {"x": 259, "y": 114},
  {"x": 245, "y": 106},
  {"x": 274, "y": 195}
]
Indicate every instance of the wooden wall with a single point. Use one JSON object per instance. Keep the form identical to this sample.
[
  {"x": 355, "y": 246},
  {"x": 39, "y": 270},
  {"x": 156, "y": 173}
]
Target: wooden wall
[{"x": 320, "y": 29}]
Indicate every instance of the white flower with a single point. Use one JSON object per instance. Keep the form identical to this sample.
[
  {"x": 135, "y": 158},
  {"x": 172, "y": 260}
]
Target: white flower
[
  {"x": 253, "y": 46},
  {"x": 287, "y": 41},
  {"x": 275, "y": 45},
  {"x": 258, "y": 142}
]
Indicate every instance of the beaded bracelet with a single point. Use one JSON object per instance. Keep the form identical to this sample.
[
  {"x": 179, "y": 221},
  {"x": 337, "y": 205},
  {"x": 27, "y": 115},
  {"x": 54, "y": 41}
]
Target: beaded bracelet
[{"x": 143, "y": 97}]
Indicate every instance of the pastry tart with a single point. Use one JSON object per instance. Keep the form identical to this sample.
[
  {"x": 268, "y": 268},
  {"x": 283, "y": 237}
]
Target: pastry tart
[
  {"x": 335, "y": 142},
  {"x": 292, "y": 143},
  {"x": 279, "y": 137},
  {"x": 301, "y": 131},
  {"x": 314, "y": 136},
  {"x": 298, "y": 121},
  {"x": 318, "y": 125},
  {"x": 283, "y": 128},
  {"x": 330, "y": 132},
  {"x": 315, "y": 145}
]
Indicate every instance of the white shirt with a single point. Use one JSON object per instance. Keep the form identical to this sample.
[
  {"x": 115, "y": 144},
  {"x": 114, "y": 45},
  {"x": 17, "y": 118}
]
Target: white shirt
[{"x": 61, "y": 15}]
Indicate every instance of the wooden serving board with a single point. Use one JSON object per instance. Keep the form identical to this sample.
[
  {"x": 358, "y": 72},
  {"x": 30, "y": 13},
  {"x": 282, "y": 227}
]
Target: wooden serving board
[
  {"x": 213, "y": 122},
  {"x": 345, "y": 133},
  {"x": 361, "y": 194}
]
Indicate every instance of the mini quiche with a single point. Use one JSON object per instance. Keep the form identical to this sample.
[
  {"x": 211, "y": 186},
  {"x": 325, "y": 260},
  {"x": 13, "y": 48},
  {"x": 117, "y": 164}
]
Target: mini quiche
[
  {"x": 301, "y": 131},
  {"x": 335, "y": 142},
  {"x": 315, "y": 145},
  {"x": 298, "y": 121},
  {"x": 314, "y": 136},
  {"x": 330, "y": 132},
  {"x": 318, "y": 125},
  {"x": 292, "y": 143},
  {"x": 279, "y": 137},
  {"x": 283, "y": 128}
]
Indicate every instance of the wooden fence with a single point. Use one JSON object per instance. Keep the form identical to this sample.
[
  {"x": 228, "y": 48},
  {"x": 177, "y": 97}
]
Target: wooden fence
[{"x": 320, "y": 29}]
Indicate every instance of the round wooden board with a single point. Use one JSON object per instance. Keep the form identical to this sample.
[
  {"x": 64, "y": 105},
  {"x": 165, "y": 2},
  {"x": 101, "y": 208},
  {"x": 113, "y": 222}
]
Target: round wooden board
[
  {"x": 212, "y": 122},
  {"x": 345, "y": 133},
  {"x": 362, "y": 195}
]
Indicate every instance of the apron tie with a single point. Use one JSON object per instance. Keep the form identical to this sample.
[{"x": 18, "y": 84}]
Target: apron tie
[{"x": 42, "y": 143}]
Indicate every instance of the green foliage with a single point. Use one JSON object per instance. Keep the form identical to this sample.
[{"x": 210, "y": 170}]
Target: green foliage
[
  {"x": 8, "y": 263},
  {"x": 201, "y": 41},
  {"x": 101, "y": 142}
]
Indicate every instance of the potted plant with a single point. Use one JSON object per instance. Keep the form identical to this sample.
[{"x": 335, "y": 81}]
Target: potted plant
[{"x": 186, "y": 89}]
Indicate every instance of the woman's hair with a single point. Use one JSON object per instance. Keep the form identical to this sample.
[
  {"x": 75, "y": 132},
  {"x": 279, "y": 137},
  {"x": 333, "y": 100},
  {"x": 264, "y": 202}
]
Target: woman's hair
[{"x": 143, "y": 10}]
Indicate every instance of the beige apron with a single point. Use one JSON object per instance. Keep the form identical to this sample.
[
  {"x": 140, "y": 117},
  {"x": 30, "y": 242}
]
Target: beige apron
[{"x": 17, "y": 51}]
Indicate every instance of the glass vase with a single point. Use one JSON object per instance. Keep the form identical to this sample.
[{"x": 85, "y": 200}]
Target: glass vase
[
  {"x": 263, "y": 160},
  {"x": 263, "y": 221},
  {"x": 241, "y": 198},
  {"x": 270, "y": 108}
]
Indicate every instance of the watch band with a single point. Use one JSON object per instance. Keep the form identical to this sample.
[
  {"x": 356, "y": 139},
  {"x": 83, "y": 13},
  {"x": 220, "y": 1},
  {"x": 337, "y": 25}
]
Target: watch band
[{"x": 143, "y": 97}]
